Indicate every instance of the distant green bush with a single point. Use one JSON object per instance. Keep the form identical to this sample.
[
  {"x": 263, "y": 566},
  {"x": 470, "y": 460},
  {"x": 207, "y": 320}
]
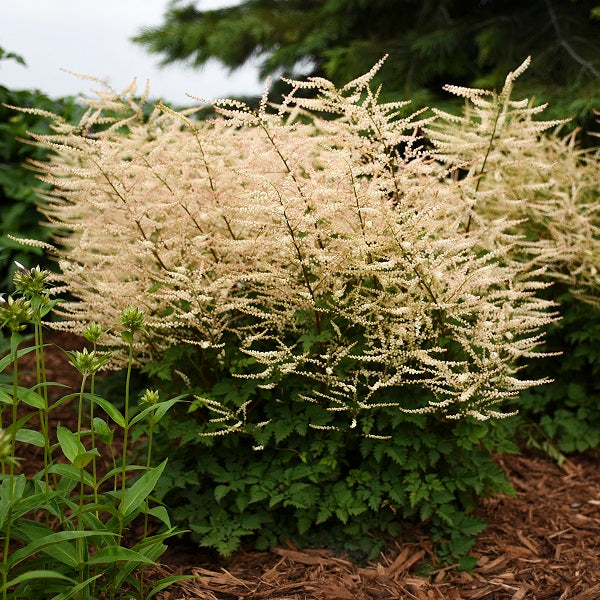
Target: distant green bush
[
  {"x": 18, "y": 182},
  {"x": 563, "y": 416}
]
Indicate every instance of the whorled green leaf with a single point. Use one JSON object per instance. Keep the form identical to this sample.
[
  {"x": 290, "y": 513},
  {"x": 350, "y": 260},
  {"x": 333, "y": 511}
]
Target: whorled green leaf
[
  {"x": 69, "y": 443},
  {"x": 139, "y": 491},
  {"x": 108, "y": 408}
]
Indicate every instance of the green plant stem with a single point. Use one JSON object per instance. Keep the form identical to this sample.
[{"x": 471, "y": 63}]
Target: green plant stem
[
  {"x": 13, "y": 444},
  {"x": 148, "y": 462},
  {"x": 40, "y": 369},
  {"x": 80, "y": 541},
  {"x": 93, "y": 432},
  {"x": 125, "y": 432},
  {"x": 80, "y": 407},
  {"x": 5, "y": 560},
  {"x": 15, "y": 402}
]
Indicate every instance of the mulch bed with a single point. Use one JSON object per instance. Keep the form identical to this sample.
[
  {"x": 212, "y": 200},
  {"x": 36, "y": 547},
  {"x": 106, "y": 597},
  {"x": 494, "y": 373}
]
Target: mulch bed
[{"x": 543, "y": 544}]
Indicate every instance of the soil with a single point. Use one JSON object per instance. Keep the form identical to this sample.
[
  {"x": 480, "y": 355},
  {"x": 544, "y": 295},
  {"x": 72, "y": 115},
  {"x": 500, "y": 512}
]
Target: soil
[{"x": 543, "y": 544}]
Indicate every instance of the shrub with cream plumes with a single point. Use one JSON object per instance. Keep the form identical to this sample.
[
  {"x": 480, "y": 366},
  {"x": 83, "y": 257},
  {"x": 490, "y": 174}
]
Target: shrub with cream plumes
[
  {"x": 506, "y": 161},
  {"x": 323, "y": 246},
  {"x": 304, "y": 270}
]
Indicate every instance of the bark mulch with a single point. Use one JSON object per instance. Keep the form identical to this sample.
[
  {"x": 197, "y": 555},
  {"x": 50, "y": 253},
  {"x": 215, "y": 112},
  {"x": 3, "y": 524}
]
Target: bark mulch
[{"x": 543, "y": 544}]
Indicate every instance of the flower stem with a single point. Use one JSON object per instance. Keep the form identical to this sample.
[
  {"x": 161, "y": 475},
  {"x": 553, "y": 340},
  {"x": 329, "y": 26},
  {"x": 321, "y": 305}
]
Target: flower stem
[{"x": 126, "y": 431}]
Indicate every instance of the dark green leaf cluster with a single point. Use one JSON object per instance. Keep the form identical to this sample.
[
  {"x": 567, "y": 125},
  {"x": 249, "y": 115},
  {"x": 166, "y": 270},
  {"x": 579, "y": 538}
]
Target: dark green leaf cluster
[
  {"x": 338, "y": 488},
  {"x": 564, "y": 415},
  {"x": 18, "y": 183}
]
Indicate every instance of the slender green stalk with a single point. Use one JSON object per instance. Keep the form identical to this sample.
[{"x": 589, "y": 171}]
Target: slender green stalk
[
  {"x": 148, "y": 463},
  {"x": 80, "y": 407},
  {"x": 126, "y": 431},
  {"x": 15, "y": 403},
  {"x": 5, "y": 560},
  {"x": 40, "y": 369},
  {"x": 92, "y": 430},
  {"x": 13, "y": 444},
  {"x": 80, "y": 542}
]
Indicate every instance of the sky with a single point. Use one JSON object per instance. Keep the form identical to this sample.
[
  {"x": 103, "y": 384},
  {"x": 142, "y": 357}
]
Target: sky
[{"x": 92, "y": 37}]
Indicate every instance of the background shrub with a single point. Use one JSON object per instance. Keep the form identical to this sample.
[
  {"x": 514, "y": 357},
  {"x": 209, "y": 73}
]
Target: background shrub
[
  {"x": 564, "y": 415},
  {"x": 18, "y": 183}
]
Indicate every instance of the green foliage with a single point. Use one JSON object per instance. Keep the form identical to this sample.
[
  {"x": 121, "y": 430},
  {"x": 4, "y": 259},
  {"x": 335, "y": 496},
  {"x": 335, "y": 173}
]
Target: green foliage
[
  {"x": 564, "y": 415},
  {"x": 333, "y": 488},
  {"x": 469, "y": 43},
  {"x": 61, "y": 530},
  {"x": 18, "y": 182}
]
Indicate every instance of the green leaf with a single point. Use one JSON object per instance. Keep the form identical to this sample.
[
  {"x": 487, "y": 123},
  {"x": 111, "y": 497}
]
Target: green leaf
[
  {"x": 101, "y": 508},
  {"x": 63, "y": 552},
  {"x": 84, "y": 459},
  {"x": 117, "y": 470},
  {"x": 161, "y": 584},
  {"x": 30, "y": 436},
  {"x": 73, "y": 473},
  {"x": 23, "y": 394},
  {"x": 162, "y": 514},
  {"x": 44, "y": 542},
  {"x": 221, "y": 491},
  {"x": 48, "y": 307},
  {"x": 29, "y": 503},
  {"x": 159, "y": 409},
  {"x": 143, "y": 545},
  {"x": 18, "y": 424},
  {"x": 69, "y": 443},
  {"x": 32, "y": 576},
  {"x": 12, "y": 488},
  {"x": 113, "y": 554},
  {"x": 140, "y": 490},
  {"x": 76, "y": 588},
  {"x": 7, "y": 360},
  {"x": 108, "y": 408},
  {"x": 44, "y": 384}
]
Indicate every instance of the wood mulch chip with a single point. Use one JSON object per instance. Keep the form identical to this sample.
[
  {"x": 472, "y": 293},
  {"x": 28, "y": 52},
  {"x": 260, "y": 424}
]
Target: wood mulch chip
[{"x": 543, "y": 544}]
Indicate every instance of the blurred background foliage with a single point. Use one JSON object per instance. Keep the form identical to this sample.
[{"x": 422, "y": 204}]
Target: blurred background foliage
[
  {"x": 430, "y": 43},
  {"x": 18, "y": 183}
]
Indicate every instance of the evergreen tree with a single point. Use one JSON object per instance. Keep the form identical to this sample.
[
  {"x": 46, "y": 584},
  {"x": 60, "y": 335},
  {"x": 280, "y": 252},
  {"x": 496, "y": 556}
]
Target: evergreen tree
[{"x": 472, "y": 43}]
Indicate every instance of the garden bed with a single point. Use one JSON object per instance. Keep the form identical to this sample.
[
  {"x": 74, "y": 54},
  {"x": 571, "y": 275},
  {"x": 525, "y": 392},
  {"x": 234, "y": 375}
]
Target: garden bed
[{"x": 542, "y": 544}]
